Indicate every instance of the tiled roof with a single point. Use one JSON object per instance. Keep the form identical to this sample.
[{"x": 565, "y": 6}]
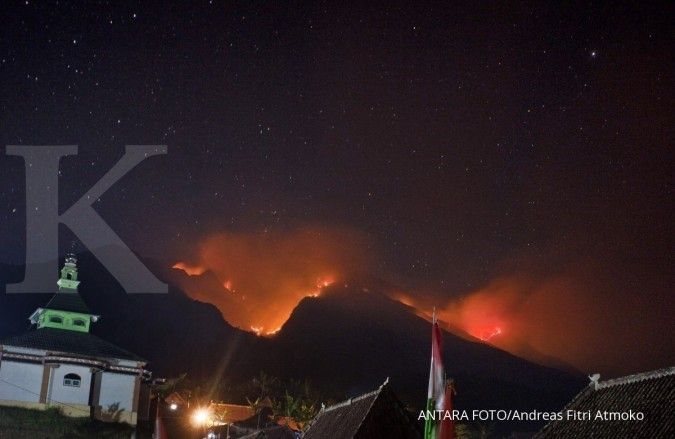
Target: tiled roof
[
  {"x": 230, "y": 413},
  {"x": 651, "y": 393},
  {"x": 374, "y": 415},
  {"x": 68, "y": 302},
  {"x": 69, "y": 342},
  {"x": 342, "y": 420}
]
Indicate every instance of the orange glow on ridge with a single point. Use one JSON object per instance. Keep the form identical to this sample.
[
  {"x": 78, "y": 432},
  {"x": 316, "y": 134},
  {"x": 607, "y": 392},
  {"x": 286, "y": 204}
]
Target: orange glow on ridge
[
  {"x": 190, "y": 270},
  {"x": 271, "y": 272}
]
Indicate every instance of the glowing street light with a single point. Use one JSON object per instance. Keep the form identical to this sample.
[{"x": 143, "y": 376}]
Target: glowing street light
[
  {"x": 201, "y": 417},
  {"x": 173, "y": 406}
]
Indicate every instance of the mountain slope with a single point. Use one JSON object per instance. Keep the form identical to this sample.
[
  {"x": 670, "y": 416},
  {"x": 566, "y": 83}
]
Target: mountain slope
[{"x": 353, "y": 339}]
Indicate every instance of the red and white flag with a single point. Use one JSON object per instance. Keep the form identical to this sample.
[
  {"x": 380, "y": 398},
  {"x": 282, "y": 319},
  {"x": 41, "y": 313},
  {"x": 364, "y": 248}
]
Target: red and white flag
[
  {"x": 436, "y": 391},
  {"x": 447, "y": 430}
]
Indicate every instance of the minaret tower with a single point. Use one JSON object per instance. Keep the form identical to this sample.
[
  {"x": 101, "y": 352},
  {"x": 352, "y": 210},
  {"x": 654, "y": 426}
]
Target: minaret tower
[
  {"x": 68, "y": 282},
  {"x": 66, "y": 310}
]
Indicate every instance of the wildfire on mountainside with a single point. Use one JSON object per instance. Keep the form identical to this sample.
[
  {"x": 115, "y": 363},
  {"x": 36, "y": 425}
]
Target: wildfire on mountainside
[{"x": 261, "y": 277}]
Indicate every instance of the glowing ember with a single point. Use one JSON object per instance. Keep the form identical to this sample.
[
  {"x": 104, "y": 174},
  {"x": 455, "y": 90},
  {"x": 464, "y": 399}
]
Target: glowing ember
[
  {"x": 324, "y": 282},
  {"x": 488, "y": 335},
  {"x": 321, "y": 283},
  {"x": 190, "y": 270},
  {"x": 274, "y": 332},
  {"x": 260, "y": 331},
  {"x": 403, "y": 298}
]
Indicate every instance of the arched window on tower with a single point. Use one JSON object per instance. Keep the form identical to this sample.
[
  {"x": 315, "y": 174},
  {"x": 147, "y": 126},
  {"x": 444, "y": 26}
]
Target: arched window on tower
[
  {"x": 78, "y": 322},
  {"x": 72, "y": 380},
  {"x": 56, "y": 319}
]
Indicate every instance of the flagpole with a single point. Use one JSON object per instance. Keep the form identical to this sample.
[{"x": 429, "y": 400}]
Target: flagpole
[{"x": 429, "y": 423}]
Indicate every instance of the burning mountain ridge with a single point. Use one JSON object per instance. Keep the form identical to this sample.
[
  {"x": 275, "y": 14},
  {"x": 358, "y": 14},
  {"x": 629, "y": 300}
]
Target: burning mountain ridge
[
  {"x": 260, "y": 278},
  {"x": 569, "y": 314}
]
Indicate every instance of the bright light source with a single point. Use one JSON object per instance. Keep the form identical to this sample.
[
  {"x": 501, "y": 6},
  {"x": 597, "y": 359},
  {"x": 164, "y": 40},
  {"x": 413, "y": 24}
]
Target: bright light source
[
  {"x": 173, "y": 406},
  {"x": 201, "y": 417}
]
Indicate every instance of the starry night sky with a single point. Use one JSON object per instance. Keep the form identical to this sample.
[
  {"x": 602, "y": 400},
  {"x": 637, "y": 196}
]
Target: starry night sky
[{"x": 465, "y": 140}]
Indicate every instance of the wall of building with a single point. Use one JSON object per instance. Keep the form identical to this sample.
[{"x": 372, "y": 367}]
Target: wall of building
[
  {"x": 117, "y": 389},
  {"x": 20, "y": 381},
  {"x": 68, "y": 394}
]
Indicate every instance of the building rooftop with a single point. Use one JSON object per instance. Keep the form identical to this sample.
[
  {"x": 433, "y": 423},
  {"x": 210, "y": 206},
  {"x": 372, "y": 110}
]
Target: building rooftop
[
  {"x": 652, "y": 393},
  {"x": 377, "y": 414},
  {"x": 69, "y": 342},
  {"x": 230, "y": 413},
  {"x": 68, "y": 302}
]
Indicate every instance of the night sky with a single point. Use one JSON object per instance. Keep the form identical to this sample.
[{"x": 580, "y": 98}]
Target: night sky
[{"x": 517, "y": 155}]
